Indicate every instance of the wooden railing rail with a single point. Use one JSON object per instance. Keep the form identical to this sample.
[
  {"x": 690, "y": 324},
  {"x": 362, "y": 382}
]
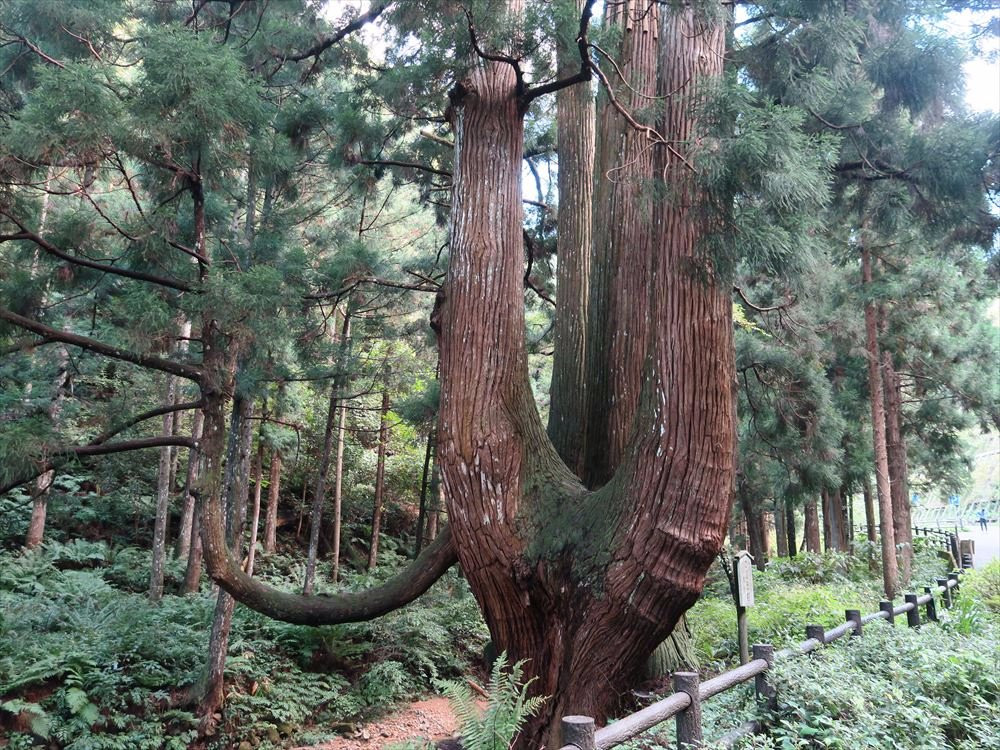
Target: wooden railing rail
[{"x": 684, "y": 704}]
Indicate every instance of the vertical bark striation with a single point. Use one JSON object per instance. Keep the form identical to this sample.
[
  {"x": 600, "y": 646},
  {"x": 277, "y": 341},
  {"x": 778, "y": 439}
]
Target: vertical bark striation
[
  {"x": 585, "y": 584},
  {"x": 896, "y": 453},
  {"x": 811, "y": 530},
  {"x": 273, "y": 491},
  {"x": 575, "y": 128},
  {"x": 618, "y": 311},
  {"x": 890, "y": 570}
]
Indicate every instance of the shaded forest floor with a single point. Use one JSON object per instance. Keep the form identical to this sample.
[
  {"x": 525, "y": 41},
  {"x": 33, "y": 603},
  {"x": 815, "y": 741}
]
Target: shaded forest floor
[{"x": 431, "y": 719}]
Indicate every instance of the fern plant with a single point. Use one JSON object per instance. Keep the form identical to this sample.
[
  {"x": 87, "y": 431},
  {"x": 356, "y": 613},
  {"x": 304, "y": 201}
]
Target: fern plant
[{"x": 507, "y": 710}]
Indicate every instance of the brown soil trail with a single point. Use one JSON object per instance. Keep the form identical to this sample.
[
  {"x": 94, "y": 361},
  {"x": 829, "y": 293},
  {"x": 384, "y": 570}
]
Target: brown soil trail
[{"x": 430, "y": 719}]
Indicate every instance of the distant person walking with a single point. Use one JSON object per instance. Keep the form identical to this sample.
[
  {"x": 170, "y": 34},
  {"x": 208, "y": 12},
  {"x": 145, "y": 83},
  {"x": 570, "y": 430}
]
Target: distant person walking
[{"x": 982, "y": 519}]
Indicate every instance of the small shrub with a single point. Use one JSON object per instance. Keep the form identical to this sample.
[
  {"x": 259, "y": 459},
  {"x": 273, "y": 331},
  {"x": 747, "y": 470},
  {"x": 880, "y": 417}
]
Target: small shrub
[
  {"x": 507, "y": 710},
  {"x": 983, "y": 585}
]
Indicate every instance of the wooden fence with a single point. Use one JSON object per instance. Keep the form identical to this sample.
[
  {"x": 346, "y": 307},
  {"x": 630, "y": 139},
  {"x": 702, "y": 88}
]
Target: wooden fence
[{"x": 684, "y": 704}]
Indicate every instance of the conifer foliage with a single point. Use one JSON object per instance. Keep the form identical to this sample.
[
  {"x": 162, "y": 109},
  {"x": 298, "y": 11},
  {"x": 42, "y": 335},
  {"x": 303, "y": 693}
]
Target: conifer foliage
[{"x": 333, "y": 257}]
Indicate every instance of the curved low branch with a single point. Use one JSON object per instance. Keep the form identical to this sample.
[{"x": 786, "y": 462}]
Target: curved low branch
[
  {"x": 355, "y": 606},
  {"x": 188, "y": 372}
]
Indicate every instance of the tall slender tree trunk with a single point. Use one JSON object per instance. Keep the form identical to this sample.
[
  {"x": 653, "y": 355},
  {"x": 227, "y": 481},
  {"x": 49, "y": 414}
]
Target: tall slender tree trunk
[
  {"x": 40, "y": 491},
  {"x": 163, "y": 488},
  {"x": 890, "y": 570},
  {"x": 828, "y": 541},
  {"x": 437, "y": 503},
  {"x": 898, "y": 481},
  {"x": 756, "y": 531},
  {"x": 811, "y": 530},
  {"x": 780, "y": 533},
  {"x": 235, "y": 490},
  {"x": 258, "y": 476},
  {"x": 871, "y": 527},
  {"x": 575, "y": 129},
  {"x": 838, "y": 518},
  {"x": 790, "y": 528},
  {"x": 185, "y": 534},
  {"x": 338, "y": 467},
  {"x": 425, "y": 481},
  {"x": 319, "y": 497},
  {"x": 383, "y": 441},
  {"x": 192, "y": 573},
  {"x": 273, "y": 492}
]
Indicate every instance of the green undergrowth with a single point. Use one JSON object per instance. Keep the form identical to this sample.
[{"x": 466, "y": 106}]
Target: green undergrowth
[
  {"x": 87, "y": 662},
  {"x": 932, "y": 688},
  {"x": 809, "y": 589}
]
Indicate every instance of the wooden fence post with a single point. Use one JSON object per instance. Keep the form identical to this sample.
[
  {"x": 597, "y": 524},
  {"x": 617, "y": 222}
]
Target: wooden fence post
[
  {"x": 854, "y": 615},
  {"x": 931, "y": 606},
  {"x": 954, "y": 577},
  {"x": 912, "y": 615},
  {"x": 689, "y": 720},
  {"x": 579, "y": 732},
  {"x": 762, "y": 685},
  {"x": 943, "y": 583},
  {"x": 817, "y": 632},
  {"x": 886, "y": 607}
]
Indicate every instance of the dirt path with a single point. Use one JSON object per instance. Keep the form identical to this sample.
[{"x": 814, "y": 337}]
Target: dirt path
[{"x": 430, "y": 719}]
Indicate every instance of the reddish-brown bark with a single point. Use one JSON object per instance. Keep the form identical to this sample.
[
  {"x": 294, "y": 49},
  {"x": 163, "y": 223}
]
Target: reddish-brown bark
[
  {"x": 575, "y": 139},
  {"x": 890, "y": 570},
  {"x": 618, "y": 314},
  {"x": 583, "y": 583},
  {"x": 812, "y": 527},
  {"x": 896, "y": 452},
  {"x": 273, "y": 492}
]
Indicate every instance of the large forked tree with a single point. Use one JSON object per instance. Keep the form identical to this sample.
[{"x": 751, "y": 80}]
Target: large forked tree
[{"x": 582, "y": 583}]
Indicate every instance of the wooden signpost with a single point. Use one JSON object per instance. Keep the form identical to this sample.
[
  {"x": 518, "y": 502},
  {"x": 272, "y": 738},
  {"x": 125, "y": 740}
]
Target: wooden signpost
[{"x": 743, "y": 570}]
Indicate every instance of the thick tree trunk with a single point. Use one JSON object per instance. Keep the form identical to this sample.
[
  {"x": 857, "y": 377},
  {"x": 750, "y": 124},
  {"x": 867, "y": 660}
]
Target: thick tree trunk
[
  {"x": 273, "y": 490},
  {"x": 575, "y": 141},
  {"x": 890, "y": 571},
  {"x": 811, "y": 530},
  {"x": 898, "y": 481},
  {"x": 610, "y": 571},
  {"x": 163, "y": 488},
  {"x": 383, "y": 441},
  {"x": 618, "y": 315}
]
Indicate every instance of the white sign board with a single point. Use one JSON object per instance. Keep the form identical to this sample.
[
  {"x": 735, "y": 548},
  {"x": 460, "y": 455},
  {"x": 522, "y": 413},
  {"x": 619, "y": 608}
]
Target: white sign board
[{"x": 744, "y": 579}]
